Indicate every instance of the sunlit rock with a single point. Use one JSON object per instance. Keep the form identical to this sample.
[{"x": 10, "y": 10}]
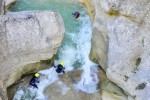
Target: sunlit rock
[
  {"x": 1, "y": 7},
  {"x": 8, "y": 3},
  {"x": 120, "y": 43},
  {"x": 128, "y": 57}
]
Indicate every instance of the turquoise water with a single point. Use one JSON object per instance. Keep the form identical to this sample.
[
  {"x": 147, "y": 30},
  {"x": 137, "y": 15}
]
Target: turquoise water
[{"x": 64, "y": 7}]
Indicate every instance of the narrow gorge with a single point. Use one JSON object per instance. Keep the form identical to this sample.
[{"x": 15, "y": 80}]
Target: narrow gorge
[{"x": 105, "y": 51}]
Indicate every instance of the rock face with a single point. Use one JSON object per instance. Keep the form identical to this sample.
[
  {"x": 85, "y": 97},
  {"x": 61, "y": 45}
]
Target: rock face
[
  {"x": 120, "y": 43},
  {"x": 128, "y": 57},
  {"x": 64, "y": 89},
  {"x": 9, "y": 2},
  {"x": 25, "y": 38},
  {"x": 1, "y": 7}
]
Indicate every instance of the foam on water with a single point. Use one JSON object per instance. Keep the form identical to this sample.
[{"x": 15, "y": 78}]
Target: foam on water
[
  {"x": 68, "y": 54},
  {"x": 89, "y": 79},
  {"x": 48, "y": 76}
]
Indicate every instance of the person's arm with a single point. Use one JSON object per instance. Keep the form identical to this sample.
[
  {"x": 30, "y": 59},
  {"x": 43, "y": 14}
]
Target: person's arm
[
  {"x": 37, "y": 80},
  {"x": 64, "y": 70},
  {"x": 54, "y": 66}
]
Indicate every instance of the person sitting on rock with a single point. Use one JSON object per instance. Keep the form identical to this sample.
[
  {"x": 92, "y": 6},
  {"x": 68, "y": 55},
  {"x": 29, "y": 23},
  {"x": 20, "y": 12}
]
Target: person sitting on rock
[
  {"x": 60, "y": 68},
  {"x": 35, "y": 80}
]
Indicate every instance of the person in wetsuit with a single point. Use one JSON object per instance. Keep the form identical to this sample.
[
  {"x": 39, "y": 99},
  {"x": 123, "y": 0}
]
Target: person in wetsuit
[
  {"x": 76, "y": 15},
  {"x": 60, "y": 68},
  {"x": 35, "y": 80}
]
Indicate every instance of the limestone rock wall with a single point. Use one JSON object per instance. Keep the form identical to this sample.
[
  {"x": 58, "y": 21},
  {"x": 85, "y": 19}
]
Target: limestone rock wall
[
  {"x": 25, "y": 38},
  {"x": 1, "y": 7},
  {"x": 128, "y": 57},
  {"x": 120, "y": 43}
]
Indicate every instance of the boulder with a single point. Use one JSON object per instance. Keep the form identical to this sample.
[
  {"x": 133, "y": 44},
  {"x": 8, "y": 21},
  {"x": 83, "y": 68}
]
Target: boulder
[{"x": 26, "y": 38}]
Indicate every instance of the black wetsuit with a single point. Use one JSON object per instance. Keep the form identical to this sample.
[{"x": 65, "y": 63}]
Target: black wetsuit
[
  {"x": 59, "y": 68},
  {"x": 34, "y": 81},
  {"x": 76, "y": 14}
]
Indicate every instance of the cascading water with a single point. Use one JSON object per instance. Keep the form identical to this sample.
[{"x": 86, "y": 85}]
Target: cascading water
[
  {"x": 74, "y": 50},
  {"x": 89, "y": 77}
]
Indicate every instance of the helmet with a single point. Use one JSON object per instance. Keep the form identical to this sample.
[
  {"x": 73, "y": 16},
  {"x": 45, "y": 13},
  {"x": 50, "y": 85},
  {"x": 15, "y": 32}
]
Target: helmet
[
  {"x": 37, "y": 74},
  {"x": 62, "y": 63}
]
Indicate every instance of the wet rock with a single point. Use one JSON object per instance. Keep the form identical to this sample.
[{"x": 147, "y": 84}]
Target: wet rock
[
  {"x": 11, "y": 90},
  {"x": 72, "y": 77},
  {"x": 53, "y": 93},
  {"x": 64, "y": 88}
]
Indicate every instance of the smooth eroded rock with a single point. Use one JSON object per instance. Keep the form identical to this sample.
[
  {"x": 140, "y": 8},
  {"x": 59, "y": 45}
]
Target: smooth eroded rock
[
  {"x": 26, "y": 38},
  {"x": 128, "y": 56},
  {"x": 64, "y": 88},
  {"x": 120, "y": 43},
  {"x": 1, "y": 7}
]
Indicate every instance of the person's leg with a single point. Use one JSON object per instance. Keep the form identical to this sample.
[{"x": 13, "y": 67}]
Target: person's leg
[
  {"x": 78, "y": 16},
  {"x": 58, "y": 70},
  {"x": 31, "y": 84},
  {"x": 35, "y": 86}
]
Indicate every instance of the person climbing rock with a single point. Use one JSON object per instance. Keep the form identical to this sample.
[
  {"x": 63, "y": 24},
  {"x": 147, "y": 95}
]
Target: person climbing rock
[
  {"x": 60, "y": 68},
  {"x": 76, "y": 15},
  {"x": 35, "y": 80}
]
